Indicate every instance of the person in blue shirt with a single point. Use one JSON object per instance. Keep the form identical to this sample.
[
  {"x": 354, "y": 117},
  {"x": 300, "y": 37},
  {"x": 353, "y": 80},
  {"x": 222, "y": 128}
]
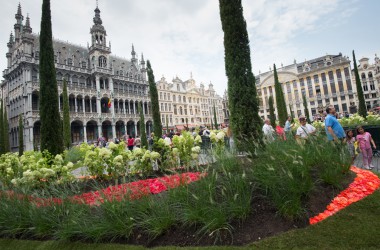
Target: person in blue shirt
[{"x": 333, "y": 128}]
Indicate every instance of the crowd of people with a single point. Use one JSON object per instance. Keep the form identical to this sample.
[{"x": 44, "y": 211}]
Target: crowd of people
[{"x": 334, "y": 131}]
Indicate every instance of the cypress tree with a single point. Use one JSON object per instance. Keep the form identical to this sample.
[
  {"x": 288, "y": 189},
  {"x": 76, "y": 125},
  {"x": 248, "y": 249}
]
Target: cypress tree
[
  {"x": 187, "y": 122},
  {"x": 66, "y": 117},
  {"x": 280, "y": 99},
  {"x": 359, "y": 88},
  {"x": 2, "y": 134},
  {"x": 215, "y": 118},
  {"x": 306, "y": 109},
  {"x": 271, "y": 112},
  {"x": 157, "y": 125},
  {"x": 144, "y": 140},
  {"x": 245, "y": 121},
  {"x": 167, "y": 123},
  {"x": 6, "y": 131},
  {"x": 51, "y": 130},
  {"x": 291, "y": 112},
  {"x": 20, "y": 136}
]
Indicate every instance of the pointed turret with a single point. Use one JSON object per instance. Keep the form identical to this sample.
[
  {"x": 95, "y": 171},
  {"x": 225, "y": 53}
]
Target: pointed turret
[
  {"x": 133, "y": 53},
  {"x": 142, "y": 62},
  {"x": 98, "y": 32},
  {"x": 9, "y": 53},
  {"x": 18, "y": 26},
  {"x": 27, "y": 28},
  {"x": 11, "y": 40}
]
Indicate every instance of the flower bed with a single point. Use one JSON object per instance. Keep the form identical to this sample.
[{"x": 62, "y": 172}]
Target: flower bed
[
  {"x": 132, "y": 190},
  {"x": 364, "y": 184}
]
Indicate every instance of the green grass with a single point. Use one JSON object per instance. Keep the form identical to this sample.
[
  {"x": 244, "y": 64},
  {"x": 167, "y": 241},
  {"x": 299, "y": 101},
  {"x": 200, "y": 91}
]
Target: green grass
[{"x": 355, "y": 227}]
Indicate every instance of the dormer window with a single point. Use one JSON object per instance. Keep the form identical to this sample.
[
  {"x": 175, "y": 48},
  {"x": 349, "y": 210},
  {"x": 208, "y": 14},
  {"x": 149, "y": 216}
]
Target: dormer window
[
  {"x": 70, "y": 62},
  {"x": 84, "y": 64}
]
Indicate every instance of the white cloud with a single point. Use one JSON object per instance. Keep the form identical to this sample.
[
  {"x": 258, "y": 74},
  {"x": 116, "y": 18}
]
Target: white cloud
[{"x": 180, "y": 37}]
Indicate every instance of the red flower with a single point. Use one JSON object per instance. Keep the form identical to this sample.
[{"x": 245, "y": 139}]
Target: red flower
[{"x": 364, "y": 184}]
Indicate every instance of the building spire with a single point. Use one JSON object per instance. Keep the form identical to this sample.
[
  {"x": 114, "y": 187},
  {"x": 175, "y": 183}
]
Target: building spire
[
  {"x": 18, "y": 15},
  {"x": 27, "y": 28},
  {"x": 97, "y": 19},
  {"x": 11, "y": 38},
  {"x": 19, "y": 9}
]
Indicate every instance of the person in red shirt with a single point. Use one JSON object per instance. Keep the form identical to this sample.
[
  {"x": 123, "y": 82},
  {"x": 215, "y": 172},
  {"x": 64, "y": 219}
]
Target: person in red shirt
[{"x": 131, "y": 143}]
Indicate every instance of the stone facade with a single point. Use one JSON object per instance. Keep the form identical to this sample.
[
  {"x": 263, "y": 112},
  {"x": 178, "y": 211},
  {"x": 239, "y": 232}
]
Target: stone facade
[
  {"x": 183, "y": 103},
  {"x": 95, "y": 77},
  {"x": 370, "y": 79},
  {"x": 324, "y": 81}
]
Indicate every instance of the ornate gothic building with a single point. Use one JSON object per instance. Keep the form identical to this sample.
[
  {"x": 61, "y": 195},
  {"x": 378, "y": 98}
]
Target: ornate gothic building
[{"x": 104, "y": 90}]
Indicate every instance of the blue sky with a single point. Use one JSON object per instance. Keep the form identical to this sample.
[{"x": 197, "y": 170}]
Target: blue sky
[{"x": 181, "y": 36}]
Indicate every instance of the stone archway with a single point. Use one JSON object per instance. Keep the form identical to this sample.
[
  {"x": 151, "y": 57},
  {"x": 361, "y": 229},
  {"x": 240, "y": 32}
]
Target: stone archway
[
  {"x": 131, "y": 128},
  {"x": 76, "y": 132},
  {"x": 120, "y": 129},
  {"x": 37, "y": 133},
  {"x": 92, "y": 130},
  {"x": 148, "y": 127},
  {"x": 107, "y": 130}
]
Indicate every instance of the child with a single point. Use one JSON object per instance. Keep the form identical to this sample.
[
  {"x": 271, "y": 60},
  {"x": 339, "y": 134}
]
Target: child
[
  {"x": 365, "y": 140},
  {"x": 350, "y": 140}
]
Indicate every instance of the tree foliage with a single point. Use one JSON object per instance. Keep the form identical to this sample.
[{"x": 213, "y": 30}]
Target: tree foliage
[
  {"x": 306, "y": 109},
  {"x": 245, "y": 121},
  {"x": 2, "y": 123},
  {"x": 144, "y": 140},
  {"x": 215, "y": 118},
  {"x": 280, "y": 100},
  {"x": 359, "y": 88},
  {"x": 157, "y": 125},
  {"x": 51, "y": 130},
  {"x": 66, "y": 117},
  {"x": 271, "y": 112}
]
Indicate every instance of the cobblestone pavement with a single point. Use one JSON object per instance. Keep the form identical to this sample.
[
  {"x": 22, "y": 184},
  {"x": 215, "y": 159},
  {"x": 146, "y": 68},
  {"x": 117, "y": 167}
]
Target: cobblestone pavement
[{"x": 375, "y": 162}]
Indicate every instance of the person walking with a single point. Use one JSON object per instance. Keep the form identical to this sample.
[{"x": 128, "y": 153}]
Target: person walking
[
  {"x": 350, "y": 140},
  {"x": 333, "y": 128},
  {"x": 288, "y": 125},
  {"x": 268, "y": 131},
  {"x": 138, "y": 142},
  {"x": 131, "y": 143},
  {"x": 365, "y": 140},
  {"x": 305, "y": 129}
]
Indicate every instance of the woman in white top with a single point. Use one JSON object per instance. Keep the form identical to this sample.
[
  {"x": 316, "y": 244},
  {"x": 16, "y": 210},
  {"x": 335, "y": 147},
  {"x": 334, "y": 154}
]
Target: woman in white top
[{"x": 305, "y": 129}]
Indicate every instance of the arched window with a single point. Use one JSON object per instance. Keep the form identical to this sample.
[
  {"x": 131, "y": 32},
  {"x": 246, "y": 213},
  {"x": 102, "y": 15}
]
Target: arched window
[
  {"x": 102, "y": 61},
  {"x": 184, "y": 98},
  {"x": 370, "y": 75},
  {"x": 363, "y": 76}
]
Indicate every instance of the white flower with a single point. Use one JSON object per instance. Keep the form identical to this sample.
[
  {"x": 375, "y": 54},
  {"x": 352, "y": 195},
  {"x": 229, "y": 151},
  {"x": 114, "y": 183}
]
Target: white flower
[
  {"x": 196, "y": 149},
  {"x": 112, "y": 146},
  {"x": 105, "y": 153},
  {"x": 198, "y": 139},
  {"x": 155, "y": 155},
  {"x": 58, "y": 158},
  {"x": 220, "y": 136}
]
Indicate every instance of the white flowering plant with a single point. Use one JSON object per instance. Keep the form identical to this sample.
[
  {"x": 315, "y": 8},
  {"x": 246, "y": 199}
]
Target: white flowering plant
[
  {"x": 183, "y": 145},
  {"x": 34, "y": 169}
]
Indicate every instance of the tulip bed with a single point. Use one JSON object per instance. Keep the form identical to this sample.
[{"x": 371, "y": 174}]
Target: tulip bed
[{"x": 364, "y": 184}]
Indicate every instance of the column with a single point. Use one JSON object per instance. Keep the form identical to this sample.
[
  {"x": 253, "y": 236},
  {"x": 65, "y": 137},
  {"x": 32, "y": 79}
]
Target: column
[
  {"x": 125, "y": 129},
  {"x": 124, "y": 107},
  {"x": 84, "y": 134},
  {"x": 134, "y": 108},
  {"x": 59, "y": 104},
  {"x": 90, "y": 105},
  {"x": 98, "y": 106},
  {"x": 83, "y": 105},
  {"x": 135, "y": 128},
  {"x": 31, "y": 134},
  {"x": 76, "y": 105},
  {"x": 113, "y": 131},
  {"x": 110, "y": 81},
  {"x": 100, "y": 132}
]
